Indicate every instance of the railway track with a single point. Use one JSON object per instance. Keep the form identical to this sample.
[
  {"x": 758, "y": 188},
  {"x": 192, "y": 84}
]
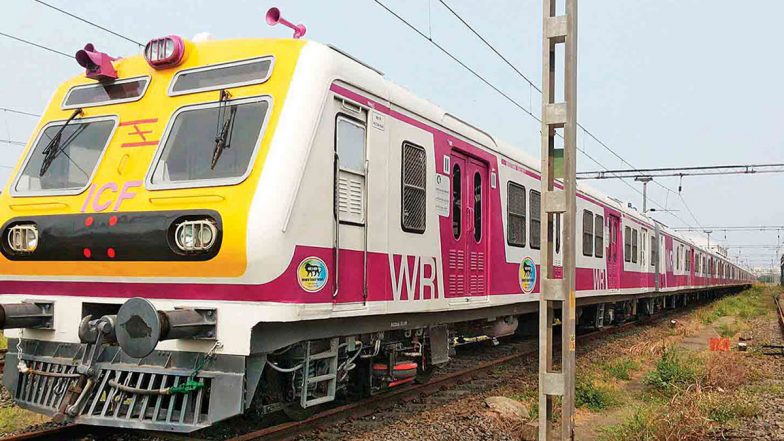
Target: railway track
[{"x": 362, "y": 408}]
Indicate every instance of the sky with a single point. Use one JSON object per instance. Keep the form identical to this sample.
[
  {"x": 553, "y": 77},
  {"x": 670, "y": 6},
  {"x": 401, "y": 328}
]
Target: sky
[{"x": 664, "y": 83}]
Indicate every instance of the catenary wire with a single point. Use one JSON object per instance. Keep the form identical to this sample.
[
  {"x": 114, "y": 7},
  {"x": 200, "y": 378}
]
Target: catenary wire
[
  {"x": 89, "y": 22},
  {"x": 506, "y": 96},
  {"x": 40, "y": 46}
]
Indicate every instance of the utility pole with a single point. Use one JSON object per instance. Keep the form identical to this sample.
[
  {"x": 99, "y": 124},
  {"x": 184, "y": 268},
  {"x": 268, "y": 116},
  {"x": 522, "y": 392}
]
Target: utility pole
[
  {"x": 708, "y": 232},
  {"x": 558, "y": 293},
  {"x": 645, "y": 180}
]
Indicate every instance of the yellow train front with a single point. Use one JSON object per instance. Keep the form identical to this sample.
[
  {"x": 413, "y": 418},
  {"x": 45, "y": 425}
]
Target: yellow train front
[{"x": 125, "y": 235}]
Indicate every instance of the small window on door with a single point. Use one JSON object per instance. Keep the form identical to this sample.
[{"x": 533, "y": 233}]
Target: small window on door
[
  {"x": 634, "y": 246},
  {"x": 598, "y": 228},
  {"x": 457, "y": 201},
  {"x": 477, "y": 207},
  {"x": 653, "y": 251},
  {"x": 350, "y": 140},
  {"x": 535, "y": 209},
  {"x": 414, "y": 172},
  {"x": 587, "y": 233},
  {"x": 515, "y": 207},
  {"x": 627, "y": 244}
]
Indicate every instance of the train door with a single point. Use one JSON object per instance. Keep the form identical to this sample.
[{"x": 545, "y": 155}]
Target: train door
[
  {"x": 613, "y": 253},
  {"x": 466, "y": 269},
  {"x": 350, "y": 235}
]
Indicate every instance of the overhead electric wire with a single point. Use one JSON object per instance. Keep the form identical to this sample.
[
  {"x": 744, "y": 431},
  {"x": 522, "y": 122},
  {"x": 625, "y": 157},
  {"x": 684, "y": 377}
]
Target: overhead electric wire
[
  {"x": 40, "y": 46},
  {"x": 538, "y": 89},
  {"x": 19, "y": 112},
  {"x": 84, "y": 20},
  {"x": 509, "y": 98}
]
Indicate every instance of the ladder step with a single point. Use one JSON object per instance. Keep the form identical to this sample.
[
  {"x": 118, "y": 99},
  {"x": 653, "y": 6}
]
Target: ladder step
[
  {"x": 317, "y": 401},
  {"x": 321, "y": 378},
  {"x": 323, "y": 355}
]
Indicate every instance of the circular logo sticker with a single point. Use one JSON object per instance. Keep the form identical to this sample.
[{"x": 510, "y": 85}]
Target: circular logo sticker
[
  {"x": 527, "y": 275},
  {"x": 312, "y": 274}
]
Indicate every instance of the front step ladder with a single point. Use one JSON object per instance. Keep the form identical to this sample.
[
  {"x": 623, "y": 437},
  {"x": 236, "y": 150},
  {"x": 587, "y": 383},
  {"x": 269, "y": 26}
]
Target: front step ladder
[{"x": 312, "y": 383}]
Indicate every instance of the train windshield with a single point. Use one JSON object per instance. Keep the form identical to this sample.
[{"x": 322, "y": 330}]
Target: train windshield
[
  {"x": 64, "y": 158},
  {"x": 211, "y": 144}
]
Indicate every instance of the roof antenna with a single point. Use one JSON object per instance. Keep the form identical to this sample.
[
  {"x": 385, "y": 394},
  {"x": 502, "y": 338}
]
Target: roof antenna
[{"x": 273, "y": 18}]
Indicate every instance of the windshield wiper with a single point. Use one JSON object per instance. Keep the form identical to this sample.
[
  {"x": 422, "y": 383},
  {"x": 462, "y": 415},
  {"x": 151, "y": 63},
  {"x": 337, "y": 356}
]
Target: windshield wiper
[
  {"x": 223, "y": 135},
  {"x": 54, "y": 148}
]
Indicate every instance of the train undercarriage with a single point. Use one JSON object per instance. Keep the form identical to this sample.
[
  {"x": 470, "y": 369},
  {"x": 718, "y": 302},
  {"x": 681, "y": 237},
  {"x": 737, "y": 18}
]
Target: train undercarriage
[{"x": 293, "y": 368}]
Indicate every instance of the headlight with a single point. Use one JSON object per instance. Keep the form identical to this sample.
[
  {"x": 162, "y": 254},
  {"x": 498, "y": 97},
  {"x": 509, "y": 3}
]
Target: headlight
[
  {"x": 198, "y": 235},
  {"x": 23, "y": 238}
]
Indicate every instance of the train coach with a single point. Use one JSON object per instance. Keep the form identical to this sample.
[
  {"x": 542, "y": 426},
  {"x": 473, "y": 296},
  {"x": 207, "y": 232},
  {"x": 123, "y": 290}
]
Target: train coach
[{"x": 262, "y": 225}]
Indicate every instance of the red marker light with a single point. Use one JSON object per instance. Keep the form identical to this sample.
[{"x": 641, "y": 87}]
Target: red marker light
[
  {"x": 113, "y": 221},
  {"x": 110, "y": 252},
  {"x": 89, "y": 221},
  {"x": 87, "y": 253}
]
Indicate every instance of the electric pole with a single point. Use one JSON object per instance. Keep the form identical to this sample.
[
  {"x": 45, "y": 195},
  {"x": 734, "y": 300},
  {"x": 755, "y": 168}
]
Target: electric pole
[
  {"x": 558, "y": 293},
  {"x": 645, "y": 180}
]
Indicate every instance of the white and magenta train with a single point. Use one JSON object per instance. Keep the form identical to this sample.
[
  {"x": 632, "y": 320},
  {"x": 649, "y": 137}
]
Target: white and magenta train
[{"x": 218, "y": 227}]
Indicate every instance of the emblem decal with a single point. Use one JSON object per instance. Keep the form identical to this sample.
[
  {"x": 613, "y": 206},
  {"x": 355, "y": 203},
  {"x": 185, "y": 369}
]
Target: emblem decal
[
  {"x": 312, "y": 274},
  {"x": 527, "y": 275}
]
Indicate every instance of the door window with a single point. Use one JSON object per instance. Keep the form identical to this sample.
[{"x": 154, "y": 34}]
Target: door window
[
  {"x": 477, "y": 207},
  {"x": 350, "y": 139},
  {"x": 457, "y": 203}
]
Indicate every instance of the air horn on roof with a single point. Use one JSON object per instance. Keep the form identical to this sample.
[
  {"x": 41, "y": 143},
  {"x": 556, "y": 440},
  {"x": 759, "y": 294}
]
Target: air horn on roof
[{"x": 274, "y": 17}]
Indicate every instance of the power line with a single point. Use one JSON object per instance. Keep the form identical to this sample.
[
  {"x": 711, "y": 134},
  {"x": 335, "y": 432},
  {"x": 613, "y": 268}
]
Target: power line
[
  {"x": 89, "y": 22},
  {"x": 510, "y": 99},
  {"x": 36, "y": 45},
  {"x": 735, "y": 228},
  {"x": 20, "y": 112},
  {"x": 684, "y": 171},
  {"x": 538, "y": 89}
]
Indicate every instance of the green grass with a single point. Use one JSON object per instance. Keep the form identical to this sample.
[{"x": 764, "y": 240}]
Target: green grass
[
  {"x": 637, "y": 426},
  {"x": 674, "y": 371},
  {"x": 594, "y": 395},
  {"x": 753, "y": 302},
  {"x": 621, "y": 368},
  {"x": 3, "y": 341},
  {"x": 724, "y": 408},
  {"x": 13, "y": 419}
]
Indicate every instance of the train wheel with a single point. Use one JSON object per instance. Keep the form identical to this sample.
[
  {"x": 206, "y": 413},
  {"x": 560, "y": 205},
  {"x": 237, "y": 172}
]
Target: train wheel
[{"x": 424, "y": 375}]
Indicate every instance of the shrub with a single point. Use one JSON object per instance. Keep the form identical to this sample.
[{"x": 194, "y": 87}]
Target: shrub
[
  {"x": 620, "y": 368},
  {"x": 595, "y": 396},
  {"x": 674, "y": 371}
]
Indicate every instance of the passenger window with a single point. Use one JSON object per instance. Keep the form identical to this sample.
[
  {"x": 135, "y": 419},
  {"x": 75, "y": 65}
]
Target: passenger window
[
  {"x": 536, "y": 220},
  {"x": 414, "y": 171},
  {"x": 350, "y": 140},
  {"x": 587, "y": 233},
  {"x": 457, "y": 203},
  {"x": 191, "y": 156},
  {"x": 627, "y": 244},
  {"x": 515, "y": 207},
  {"x": 599, "y": 236},
  {"x": 634, "y": 246},
  {"x": 477, "y": 207}
]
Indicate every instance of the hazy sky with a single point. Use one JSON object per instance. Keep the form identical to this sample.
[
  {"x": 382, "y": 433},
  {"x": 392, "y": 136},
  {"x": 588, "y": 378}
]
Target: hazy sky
[{"x": 662, "y": 82}]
